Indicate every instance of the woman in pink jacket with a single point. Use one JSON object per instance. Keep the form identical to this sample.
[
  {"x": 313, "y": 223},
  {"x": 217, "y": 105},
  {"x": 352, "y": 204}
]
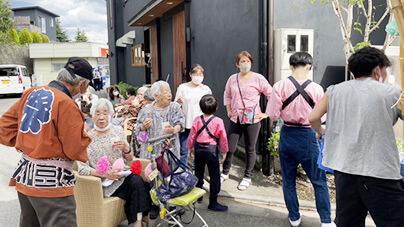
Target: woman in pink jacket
[{"x": 242, "y": 99}]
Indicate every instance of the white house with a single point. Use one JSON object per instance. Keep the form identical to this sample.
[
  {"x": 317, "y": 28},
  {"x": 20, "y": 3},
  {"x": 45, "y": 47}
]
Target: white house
[{"x": 50, "y": 58}]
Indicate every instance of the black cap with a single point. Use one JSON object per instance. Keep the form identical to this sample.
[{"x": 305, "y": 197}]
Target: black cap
[{"x": 81, "y": 67}]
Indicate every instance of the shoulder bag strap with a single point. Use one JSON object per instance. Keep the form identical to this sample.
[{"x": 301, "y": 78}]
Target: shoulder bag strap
[{"x": 240, "y": 90}]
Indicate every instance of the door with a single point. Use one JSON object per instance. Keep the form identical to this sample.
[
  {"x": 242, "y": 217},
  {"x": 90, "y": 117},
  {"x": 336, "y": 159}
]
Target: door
[{"x": 179, "y": 49}]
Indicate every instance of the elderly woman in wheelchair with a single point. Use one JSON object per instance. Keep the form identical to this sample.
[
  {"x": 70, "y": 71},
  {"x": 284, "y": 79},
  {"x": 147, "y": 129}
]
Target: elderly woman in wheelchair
[{"x": 106, "y": 155}]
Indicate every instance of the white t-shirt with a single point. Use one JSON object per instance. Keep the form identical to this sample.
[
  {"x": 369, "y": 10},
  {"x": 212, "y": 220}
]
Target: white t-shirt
[{"x": 192, "y": 96}]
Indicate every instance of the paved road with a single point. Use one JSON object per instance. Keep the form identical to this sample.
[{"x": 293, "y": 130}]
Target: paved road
[{"x": 9, "y": 207}]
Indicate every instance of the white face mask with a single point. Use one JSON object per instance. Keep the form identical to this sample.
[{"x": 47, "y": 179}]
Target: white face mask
[
  {"x": 245, "y": 67},
  {"x": 381, "y": 79},
  {"x": 116, "y": 93},
  {"x": 197, "y": 79},
  {"x": 106, "y": 128},
  {"x": 78, "y": 95}
]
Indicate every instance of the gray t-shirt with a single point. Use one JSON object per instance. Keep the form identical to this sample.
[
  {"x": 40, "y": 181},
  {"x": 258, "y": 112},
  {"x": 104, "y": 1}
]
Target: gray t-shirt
[{"x": 359, "y": 135}]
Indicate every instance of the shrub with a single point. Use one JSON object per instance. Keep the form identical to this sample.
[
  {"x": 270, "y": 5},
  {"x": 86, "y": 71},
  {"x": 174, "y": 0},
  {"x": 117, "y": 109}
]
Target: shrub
[
  {"x": 273, "y": 144},
  {"x": 13, "y": 36},
  {"x": 36, "y": 37},
  {"x": 122, "y": 88},
  {"x": 25, "y": 37},
  {"x": 45, "y": 38}
]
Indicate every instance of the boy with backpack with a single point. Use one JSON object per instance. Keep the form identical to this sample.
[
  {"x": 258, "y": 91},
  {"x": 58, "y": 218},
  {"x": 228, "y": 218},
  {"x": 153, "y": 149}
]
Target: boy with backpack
[{"x": 206, "y": 134}]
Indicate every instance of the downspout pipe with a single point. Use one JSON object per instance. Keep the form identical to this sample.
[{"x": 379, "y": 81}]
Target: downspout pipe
[{"x": 263, "y": 135}]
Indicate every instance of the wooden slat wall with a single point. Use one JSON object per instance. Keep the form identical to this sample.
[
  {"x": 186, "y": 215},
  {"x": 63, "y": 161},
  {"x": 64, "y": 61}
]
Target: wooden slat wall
[
  {"x": 154, "y": 53},
  {"x": 179, "y": 47}
]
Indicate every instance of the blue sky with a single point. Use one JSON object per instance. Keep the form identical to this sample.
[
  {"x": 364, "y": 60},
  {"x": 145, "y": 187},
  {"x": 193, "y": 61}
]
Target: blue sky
[{"x": 88, "y": 15}]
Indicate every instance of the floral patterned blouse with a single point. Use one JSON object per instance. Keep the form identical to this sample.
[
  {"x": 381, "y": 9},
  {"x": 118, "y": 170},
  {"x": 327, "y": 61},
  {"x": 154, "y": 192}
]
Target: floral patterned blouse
[
  {"x": 171, "y": 114},
  {"x": 100, "y": 146}
]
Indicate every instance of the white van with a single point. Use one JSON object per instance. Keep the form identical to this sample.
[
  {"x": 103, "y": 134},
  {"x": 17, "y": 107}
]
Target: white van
[{"x": 14, "y": 79}]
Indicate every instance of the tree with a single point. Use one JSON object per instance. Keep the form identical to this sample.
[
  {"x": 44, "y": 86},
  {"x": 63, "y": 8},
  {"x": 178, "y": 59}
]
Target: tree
[
  {"x": 6, "y": 22},
  {"x": 45, "y": 38},
  {"x": 61, "y": 35},
  {"x": 344, "y": 11},
  {"x": 25, "y": 37},
  {"x": 13, "y": 36},
  {"x": 81, "y": 36},
  {"x": 36, "y": 37}
]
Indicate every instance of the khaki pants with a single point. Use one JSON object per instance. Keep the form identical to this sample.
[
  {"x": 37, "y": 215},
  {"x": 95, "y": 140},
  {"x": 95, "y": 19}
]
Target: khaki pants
[{"x": 47, "y": 212}]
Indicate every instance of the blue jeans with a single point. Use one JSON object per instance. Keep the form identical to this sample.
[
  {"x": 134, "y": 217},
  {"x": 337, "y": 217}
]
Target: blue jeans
[
  {"x": 300, "y": 145},
  {"x": 183, "y": 142}
]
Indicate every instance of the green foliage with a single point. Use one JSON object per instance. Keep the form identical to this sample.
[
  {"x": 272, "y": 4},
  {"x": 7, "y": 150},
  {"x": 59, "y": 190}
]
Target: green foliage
[
  {"x": 6, "y": 22},
  {"x": 25, "y": 37},
  {"x": 400, "y": 145},
  {"x": 45, "y": 38},
  {"x": 61, "y": 35},
  {"x": 13, "y": 36},
  {"x": 362, "y": 45},
  {"x": 36, "y": 37},
  {"x": 273, "y": 144},
  {"x": 122, "y": 88},
  {"x": 81, "y": 36}
]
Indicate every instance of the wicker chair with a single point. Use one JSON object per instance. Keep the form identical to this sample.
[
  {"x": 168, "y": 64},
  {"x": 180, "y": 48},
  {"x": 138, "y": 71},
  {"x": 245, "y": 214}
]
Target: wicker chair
[{"x": 92, "y": 209}]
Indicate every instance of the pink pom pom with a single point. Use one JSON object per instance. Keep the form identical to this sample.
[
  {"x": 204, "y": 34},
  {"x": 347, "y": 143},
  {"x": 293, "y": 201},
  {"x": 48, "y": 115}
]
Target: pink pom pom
[
  {"x": 102, "y": 165},
  {"x": 118, "y": 165},
  {"x": 147, "y": 171}
]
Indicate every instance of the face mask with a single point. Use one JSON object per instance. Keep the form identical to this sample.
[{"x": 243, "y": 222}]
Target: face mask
[
  {"x": 246, "y": 67},
  {"x": 106, "y": 128},
  {"x": 197, "y": 79},
  {"x": 116, "y": 93},
  {"x": 77, "y": 96},
  {"x": 381, "y": 79}
]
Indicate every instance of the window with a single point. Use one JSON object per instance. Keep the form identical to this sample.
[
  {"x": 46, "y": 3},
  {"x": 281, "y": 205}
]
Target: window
[
  {"x": 137, "y": 56},
  {"x": 56, "y": 67},
  {"x": 304, "y": 43},
  {"x": 24, "y": 72},
  {"x": 291, "y": 43},
  {"x": 43, "y": 24},
  {"x": 51, "y": 22}
]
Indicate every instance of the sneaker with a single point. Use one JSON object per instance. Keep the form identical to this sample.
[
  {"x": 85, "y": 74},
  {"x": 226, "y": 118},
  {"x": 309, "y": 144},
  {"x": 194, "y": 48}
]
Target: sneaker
[
  {"x": 332, "y": 224},
  {"x": 295, "y": 223},
  {"x": 224, "y": 177},
  {"x": 217, "y": 207}
]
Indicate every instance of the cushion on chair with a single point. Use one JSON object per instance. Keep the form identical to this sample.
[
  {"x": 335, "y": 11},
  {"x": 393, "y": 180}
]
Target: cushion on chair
[{"x": 189, "y": 198}]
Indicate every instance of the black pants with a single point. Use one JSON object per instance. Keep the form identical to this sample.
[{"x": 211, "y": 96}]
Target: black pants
[
  {"x": 47, "y": 212},
  {"x": 206, "y": 154},
  {"x": 136, "y": 194},
  {"x": 236, "y": 130},
  {"x": 356, "y": 195}
]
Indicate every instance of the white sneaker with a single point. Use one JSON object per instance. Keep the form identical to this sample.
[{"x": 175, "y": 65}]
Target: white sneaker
[
  {"x": 224, "y": 177},
  {"x": 332, "y": 224},
  {"x": 295, "y": 223}
]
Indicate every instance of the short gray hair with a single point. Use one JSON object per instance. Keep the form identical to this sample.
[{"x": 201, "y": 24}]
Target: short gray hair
[
  {"x": 100, "y": 103},
  {"x": 148, "y": 95},
  {"x": 156, "y": 87},
  {"x": 142, "y": 89},
  {"x": 65, "y": 76}
]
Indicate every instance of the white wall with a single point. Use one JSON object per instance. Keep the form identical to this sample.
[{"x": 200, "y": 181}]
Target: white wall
[{"x": 43, "y": 67}]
